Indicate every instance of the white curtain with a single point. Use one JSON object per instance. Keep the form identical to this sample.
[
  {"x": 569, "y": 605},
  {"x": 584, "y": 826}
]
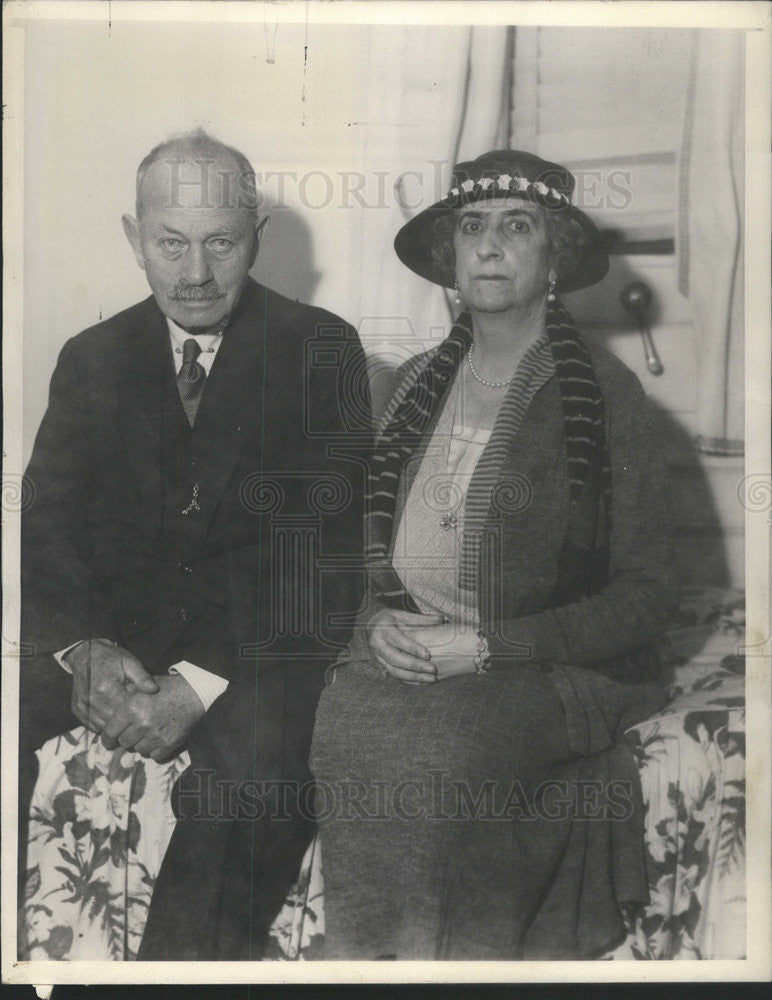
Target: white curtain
[
  {"x": 710, "y": 233},
  {"x": 434, "y": 97}
]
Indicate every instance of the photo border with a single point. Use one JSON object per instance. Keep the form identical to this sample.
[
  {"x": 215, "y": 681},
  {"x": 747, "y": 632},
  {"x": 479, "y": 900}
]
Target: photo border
[{"x": 755, "y": 18}]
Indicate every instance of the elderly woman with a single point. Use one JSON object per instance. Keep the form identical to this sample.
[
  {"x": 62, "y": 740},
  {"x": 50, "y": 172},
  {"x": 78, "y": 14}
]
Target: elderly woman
[{"x": 476, "y": 798}]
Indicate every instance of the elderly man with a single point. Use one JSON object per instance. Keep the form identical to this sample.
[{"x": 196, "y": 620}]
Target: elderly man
[{"x": 175, "y": 589}]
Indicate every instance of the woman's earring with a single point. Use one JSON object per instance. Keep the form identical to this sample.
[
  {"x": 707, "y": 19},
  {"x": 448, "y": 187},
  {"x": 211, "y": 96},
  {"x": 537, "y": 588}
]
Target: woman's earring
[
  {"x": 551, "y": 291},
  {"x": 458, "y": 294}
]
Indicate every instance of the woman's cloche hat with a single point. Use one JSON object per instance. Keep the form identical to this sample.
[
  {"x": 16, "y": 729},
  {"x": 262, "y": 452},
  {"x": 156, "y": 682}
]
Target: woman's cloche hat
[{"x": 503, "y": 173}]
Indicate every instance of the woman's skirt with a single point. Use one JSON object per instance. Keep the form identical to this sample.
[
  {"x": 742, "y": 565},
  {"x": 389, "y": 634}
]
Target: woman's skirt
[{"x": 456, "y": 823}]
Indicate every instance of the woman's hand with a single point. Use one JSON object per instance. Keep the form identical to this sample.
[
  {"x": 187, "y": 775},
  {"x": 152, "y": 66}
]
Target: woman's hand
[
  {"x": 452, "y": 648},
  {"x": 401, "y": 654}
]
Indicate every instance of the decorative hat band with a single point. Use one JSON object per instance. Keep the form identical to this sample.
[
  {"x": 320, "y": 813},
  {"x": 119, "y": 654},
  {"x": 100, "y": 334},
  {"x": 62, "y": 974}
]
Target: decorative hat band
[{"x": 470, "y": 191}]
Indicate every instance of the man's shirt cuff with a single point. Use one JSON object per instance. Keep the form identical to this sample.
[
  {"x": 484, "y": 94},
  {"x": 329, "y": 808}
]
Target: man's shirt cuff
[
  {"x": 208, "y": 686},
  {"x": 60, "y": 656}
]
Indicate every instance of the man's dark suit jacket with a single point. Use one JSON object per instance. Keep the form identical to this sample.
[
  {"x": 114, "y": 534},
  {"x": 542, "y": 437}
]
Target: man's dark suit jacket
[{"x": 235, "y": 545}]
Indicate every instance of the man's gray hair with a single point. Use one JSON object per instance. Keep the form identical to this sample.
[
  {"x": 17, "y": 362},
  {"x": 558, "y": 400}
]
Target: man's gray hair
[{"x": 197, "y": 146}]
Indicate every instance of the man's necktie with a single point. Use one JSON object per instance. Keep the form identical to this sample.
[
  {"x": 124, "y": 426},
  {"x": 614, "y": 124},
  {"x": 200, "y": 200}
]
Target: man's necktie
[{"x": 191, "y": 379}]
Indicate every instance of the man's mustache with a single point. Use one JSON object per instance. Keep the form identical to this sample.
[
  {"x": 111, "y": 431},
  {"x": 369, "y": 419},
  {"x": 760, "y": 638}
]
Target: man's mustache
[{"x": 182, "y": 292}]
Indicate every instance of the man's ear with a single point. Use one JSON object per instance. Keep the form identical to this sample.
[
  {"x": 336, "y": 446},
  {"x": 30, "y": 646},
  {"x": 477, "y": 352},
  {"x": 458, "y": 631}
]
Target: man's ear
[
  {"x": 260, "y": 228},
  {"x": 131, "y": 228}
]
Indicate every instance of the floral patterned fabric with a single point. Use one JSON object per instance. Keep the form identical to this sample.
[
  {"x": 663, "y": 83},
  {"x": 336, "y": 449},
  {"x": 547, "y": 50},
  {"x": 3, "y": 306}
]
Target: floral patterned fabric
[
  {"x": 101, "y": 822},
  {"x": 692, "y": 766},
  {"x": 297, "y": 933}
]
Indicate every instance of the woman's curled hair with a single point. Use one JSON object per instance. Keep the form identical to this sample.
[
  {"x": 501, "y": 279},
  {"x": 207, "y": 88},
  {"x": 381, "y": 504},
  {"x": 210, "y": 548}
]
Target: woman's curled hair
[{"x": 567, "y": 244}]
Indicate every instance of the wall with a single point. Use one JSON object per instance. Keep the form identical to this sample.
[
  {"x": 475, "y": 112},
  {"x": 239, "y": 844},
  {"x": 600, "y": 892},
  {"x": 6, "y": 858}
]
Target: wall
[
  {"x": 611, "y": 104},
  {"x": 330, "y": 117},
  {"x": 707, "y": 515}
]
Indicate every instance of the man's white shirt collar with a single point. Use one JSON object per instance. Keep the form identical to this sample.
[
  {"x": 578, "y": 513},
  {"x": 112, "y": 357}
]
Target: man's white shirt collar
[{"x": 209, "y": 344}]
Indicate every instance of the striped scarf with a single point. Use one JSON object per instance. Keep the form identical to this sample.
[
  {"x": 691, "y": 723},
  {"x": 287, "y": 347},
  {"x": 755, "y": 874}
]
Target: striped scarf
[{"x": 415, "y": 414}]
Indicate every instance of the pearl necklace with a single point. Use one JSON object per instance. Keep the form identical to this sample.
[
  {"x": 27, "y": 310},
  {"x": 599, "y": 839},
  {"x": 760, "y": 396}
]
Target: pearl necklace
[{"x": 473, "y": 370}]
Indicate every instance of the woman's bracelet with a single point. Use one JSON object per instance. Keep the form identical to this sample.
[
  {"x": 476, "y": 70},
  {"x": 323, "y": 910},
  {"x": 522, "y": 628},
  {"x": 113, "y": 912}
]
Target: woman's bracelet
[{"x": 482, "y": 658}]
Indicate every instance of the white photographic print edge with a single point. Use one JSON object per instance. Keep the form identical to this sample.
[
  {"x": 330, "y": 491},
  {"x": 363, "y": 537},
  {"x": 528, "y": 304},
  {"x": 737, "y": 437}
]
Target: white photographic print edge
[{"x": 88, "y": 274}]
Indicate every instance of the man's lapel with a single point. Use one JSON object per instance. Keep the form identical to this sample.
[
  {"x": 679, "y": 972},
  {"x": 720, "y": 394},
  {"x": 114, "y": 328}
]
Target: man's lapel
[
  {"x": 235, "y": 406},
  {"x": 148, "y": 399}
]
